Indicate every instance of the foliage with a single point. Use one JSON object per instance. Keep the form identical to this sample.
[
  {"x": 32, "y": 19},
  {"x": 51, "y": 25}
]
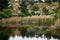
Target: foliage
[
  {"x": 6, "y": 13},
  {"x": 31, "y": 2},
  {"x": 38, "y": 14},
  {"x": 45, "y": 11},
  {"x": 23, "y": 8},
  {"x": 33, "y": 13},
  {"x": 57, "y": 14},
  {"x": 1, "y": 15},
  {"x": 34, "y": 8},
  {"x": 21, "y": 14},
  {"x": 48, "y": 1},
  {"x": 3, "y": 4}
]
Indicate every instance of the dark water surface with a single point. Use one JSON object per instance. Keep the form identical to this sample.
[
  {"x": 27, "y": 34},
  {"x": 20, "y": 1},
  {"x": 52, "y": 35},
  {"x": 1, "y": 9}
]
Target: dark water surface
[{"x": 22, "y": 34}]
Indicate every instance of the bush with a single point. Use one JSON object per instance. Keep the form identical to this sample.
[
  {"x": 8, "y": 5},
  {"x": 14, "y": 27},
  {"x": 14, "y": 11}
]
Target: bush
[
  {"x": 1, "y": 15},
  {"x": 6, "y": 13},
  {"x": 32, "y": 13},
  {"x": 38, "y": 14},
  {"x": 45, "y": 11},
  {"x": 35, "y": 8},
  {"x": 57, "y": 14},
  {"x": 21, "y": 14}
]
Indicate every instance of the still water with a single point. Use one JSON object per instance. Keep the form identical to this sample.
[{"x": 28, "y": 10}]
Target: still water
[{"x": 31, "y": 38}]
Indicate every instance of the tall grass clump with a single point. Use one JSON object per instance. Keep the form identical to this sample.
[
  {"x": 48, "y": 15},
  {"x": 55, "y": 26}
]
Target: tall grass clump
[
  {"x": 41, "y": 22},
  {"x": 47, "y": 22},
  {"x": 30, "y": 21}
]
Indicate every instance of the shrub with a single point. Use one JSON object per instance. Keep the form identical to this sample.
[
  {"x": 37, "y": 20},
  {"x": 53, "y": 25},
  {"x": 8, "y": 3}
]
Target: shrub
[
  {"x": 33, "y": 13},
  {"x": 34, "y": 8},
  {"x": 45, "y": 11},
  {"x": 38, "y": 14},
  {"x": 1, "y": 15},
  {"x": 6, "y": 13},
  {"x": 21, "y": 14},
  {"x": 57, "y": 14}
]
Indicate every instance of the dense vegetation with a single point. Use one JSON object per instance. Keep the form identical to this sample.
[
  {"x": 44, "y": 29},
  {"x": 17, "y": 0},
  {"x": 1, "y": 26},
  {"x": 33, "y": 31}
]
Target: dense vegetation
[
  {"x": 30, "y": 27},
  {"x": 3, "y": 4},
  {"x": 6, "y": 13},
  {"x": 23, "y": 7}
]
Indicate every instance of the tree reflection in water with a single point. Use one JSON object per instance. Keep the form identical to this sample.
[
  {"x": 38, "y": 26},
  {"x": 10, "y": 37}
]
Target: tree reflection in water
[{"x": 26, "y": 33}]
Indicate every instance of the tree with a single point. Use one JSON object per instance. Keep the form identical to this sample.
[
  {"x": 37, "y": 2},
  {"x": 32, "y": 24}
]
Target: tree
[
  {"x": 23, "y": 8},
  {"x": 3, "y": 4}
]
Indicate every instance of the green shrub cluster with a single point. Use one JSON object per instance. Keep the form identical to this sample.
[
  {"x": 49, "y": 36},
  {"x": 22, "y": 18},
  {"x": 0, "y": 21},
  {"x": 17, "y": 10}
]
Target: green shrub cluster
[
  {"x": 23, "y": 8},
  {"x": 21, "y": 14},
  {"x": 34, "y": 8},
  {"x": 45, "y": 11},
  {"x": 56, "y": 14},
  {"x": 6, "y": 13}
]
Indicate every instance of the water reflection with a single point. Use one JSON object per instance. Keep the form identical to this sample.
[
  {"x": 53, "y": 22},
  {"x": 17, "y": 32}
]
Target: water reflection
[{"x": 30, "y": 38}]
